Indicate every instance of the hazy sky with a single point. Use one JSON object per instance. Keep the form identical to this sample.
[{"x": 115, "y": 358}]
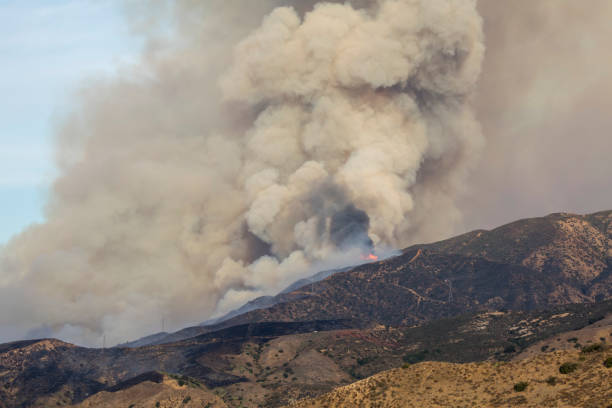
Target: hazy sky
[
  {"x": 47, "y": 47},
  {"x": 544, "y": 102}
]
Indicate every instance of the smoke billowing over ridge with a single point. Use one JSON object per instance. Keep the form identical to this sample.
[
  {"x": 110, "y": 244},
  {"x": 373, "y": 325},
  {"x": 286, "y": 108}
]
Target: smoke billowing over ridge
[{"x": 231, "y": 161}]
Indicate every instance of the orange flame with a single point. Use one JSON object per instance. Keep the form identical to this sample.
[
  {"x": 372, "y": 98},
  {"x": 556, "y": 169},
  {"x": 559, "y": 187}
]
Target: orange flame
[{"x": 370, "y": 257}]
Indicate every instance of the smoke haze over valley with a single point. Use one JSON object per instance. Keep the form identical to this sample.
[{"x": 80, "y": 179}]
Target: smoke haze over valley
[{"x": 256, "y": 143}]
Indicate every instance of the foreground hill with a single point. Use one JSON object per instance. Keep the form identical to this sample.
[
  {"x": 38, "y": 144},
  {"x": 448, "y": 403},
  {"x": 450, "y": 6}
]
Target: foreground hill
[
  {"x": 157, "y": 390},
  {"x": 533, "y": 382}
]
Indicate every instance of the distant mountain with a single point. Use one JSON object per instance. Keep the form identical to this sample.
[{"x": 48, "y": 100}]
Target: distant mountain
[{"x": 157, "y": 338}]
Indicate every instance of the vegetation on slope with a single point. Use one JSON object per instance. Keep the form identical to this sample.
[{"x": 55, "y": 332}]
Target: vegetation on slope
[{"x": 533, "y": 382}]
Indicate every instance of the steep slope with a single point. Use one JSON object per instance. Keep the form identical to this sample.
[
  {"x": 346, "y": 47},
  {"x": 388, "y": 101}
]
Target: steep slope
[
  {"x": 529, "y": 264},
  {"x": 576, "y": 249},
  {"x": 489, "y": 384}
]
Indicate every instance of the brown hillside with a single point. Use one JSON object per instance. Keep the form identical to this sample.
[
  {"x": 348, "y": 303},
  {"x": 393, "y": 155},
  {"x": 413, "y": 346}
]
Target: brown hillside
[
  {"x": 160, "y": 392},
  {"x": 487, "y": 384},
  {"x": 529, "y": 264},
  {"x": 270, "y": 364}
]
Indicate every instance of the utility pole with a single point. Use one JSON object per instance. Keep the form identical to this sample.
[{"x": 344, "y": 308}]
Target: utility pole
[
  {"x": 104, "y": 341},
  {"x": 450, "y": 290},
  {"x": 163, "y": 325}
]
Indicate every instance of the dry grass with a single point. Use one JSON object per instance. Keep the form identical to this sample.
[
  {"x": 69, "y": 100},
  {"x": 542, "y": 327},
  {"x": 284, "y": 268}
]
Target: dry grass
[
  {"x": 488, "y": 384},
  {"x": 168, "y": 394}
]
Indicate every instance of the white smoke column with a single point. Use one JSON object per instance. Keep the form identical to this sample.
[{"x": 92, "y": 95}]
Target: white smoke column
[{"x": 345, "y": 128}]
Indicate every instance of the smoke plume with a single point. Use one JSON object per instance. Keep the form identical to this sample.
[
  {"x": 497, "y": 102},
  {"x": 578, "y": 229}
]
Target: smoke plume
[{"x": 253, "y": 142}]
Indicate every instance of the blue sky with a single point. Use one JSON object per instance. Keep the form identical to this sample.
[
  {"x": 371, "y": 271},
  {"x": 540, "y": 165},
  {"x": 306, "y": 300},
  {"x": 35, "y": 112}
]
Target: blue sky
[{"x": 47, "y": 49}]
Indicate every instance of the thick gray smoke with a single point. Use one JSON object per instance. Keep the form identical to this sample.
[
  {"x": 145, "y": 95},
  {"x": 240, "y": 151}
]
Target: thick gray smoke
[
  {"x": 233, "y": 161},
  {"x": 349, "y": 228}
]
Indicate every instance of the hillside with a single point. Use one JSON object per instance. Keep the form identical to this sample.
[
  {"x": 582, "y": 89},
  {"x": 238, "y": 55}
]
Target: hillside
[
  {"x": 486, "y": 384},
  {"x": 269, "y": 364},
  {"x": 529, "y": 264},
  {"x": 485, "y": 295},
  {"x": 526, "y": 265},
  {"x": 155, "y": 390}
]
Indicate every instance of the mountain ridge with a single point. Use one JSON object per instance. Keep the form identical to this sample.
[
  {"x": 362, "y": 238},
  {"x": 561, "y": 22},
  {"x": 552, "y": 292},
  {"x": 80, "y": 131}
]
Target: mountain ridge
[{"x": 560, "y": 258}]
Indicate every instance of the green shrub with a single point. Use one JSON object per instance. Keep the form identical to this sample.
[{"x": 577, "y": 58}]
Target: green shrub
[
  {"x": 572, "y": 340},
  {"x": 593, "y": 348},
  {"x": 595, "y": 319},
  {"x": 405, "y": 365},
  {"x": 415, "y": 357},
  {"x": 364, "y": 360},
  {"x": 608, "y": 362},
  {"x": 521, "y": 386},
  {"x": 551, "y": 380},
  {"x": 187, "y": 399},
  {"x": 567, "y": 368}
]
